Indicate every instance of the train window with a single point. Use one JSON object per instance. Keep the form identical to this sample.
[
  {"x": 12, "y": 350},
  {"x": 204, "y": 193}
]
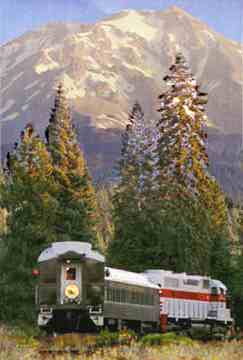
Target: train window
[
  {"x": 70, "y": 273},
  {"x": 114, "y": 295},
  {"x": 191, "y": 282},
  {"x": 171, "y": 282},
  {"x": 149, "y": 299},
  {"x": 205, "y": 283},
  {"x": 128, "y": 296},
  {"x": 133, "y": 297},
  {"x": 214, "y": 291},
  {"x": 123, "y": 296},
  {"x": 109, "y": 294},
  {"x": 117, "y": 295}
]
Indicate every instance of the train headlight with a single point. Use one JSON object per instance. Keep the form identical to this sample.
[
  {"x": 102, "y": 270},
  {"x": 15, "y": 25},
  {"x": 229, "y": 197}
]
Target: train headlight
[{"x": 72, "y": 291}]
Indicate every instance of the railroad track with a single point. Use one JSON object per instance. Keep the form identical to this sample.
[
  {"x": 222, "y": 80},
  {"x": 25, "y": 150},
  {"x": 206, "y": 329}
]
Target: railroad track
[{"x": 73, "y": 344}]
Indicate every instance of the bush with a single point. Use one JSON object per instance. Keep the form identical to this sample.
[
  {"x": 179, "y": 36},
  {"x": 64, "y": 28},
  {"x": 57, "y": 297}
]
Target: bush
[
  {"x": 151, "y": 339},
  {"x": 106, "y": 338},
  {"x": 168, "y": 338},
  {"x": 126, "y": 337}
]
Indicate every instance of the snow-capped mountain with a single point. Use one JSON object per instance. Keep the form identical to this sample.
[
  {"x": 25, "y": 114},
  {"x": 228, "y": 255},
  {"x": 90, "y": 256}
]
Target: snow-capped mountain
[{"x": 108, "y": 65}]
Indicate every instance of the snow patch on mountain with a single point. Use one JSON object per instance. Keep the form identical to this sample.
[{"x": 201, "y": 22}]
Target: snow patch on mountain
[
  {"x": 102, "y": 122},
  {"x": 145, "y": 72},
  {"x": 14, "y": 79},
  {"x": 25, "y": 107},
  {"x": 48, "y": 96},
  {"x": 120, "y": 40},
  {"x": 202, "y": 64},
  {"x": 11, "y": 117},
  {"x": 172, "y": 37},
  {"x": 33, "y": 95},
  {"x": 79, "y": 37},
  {"x": 210, "y": 124},
  {"x": 42, "y": 68},
  {"x": 111, "y": 36},
  {"x": 93, "y": 65},
  {"x": 31, "y": 85},
  {"x": 106, "y": 77},
  {"x": 209, "y": 35},
  {"x": 27, "y": 52},
  {"x": 72, "y": 90},
  {"x": 47, "y": 64},
  {"x": 116, "y": 41},
  {"x": 9, "y": 49},
  {"x": 7, "y": 106},
  {"x": 106, "y": 122},
  {"x": 212, "y": 85},
  {"x": 134, "y": 22}
]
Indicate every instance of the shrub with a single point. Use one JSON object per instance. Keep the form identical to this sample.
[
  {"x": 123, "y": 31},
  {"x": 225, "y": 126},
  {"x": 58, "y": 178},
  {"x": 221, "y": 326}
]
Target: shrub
[
  {"x": 106, "y": 338},
  {"x": 168, "y": 338},
  {"x": 126, "y": 337}
]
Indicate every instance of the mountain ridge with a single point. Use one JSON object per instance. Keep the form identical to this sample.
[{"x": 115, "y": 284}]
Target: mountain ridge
[{"x": 108, "y": 65}]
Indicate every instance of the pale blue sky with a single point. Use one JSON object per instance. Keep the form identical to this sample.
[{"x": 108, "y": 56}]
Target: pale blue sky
[{"x": 19, "y": 16}]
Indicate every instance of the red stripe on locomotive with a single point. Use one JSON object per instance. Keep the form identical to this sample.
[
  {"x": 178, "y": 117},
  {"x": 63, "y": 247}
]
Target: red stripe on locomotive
[{"x": 189, "y": 295}]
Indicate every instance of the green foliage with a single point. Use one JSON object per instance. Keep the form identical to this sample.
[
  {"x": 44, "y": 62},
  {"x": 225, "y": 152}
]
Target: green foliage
[
  {"x": 77, "y": 212},
  {"x": 137, "y": 235},
  {"x": 105, "y": 227},
  {"x": 236, "y": 289},
  {"x": 123, "y": 337},
  {"x": 28, "y": 196},
  {"x": 165, "y": 339},
  {"x": 106, "y": 338}
]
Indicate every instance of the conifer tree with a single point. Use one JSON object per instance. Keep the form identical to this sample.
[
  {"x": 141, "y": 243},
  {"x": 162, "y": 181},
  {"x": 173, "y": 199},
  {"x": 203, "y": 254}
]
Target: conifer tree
[
  {"x": 77, "y": 215},
  {"x": 182, "y": 156},
  {"x": 182, "y": 164},
  {"x": 136, "y": 235},
  {"x": 28, "y": 195},
  {"x": 136, "y": 164}
]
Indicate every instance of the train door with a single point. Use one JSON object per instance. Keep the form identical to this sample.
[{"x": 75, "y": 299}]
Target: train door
[{"x": 71, "y": 283}]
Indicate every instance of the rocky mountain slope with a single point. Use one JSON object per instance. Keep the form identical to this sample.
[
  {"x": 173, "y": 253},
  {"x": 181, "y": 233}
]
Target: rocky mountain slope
[{"x": 106, "y": 66}]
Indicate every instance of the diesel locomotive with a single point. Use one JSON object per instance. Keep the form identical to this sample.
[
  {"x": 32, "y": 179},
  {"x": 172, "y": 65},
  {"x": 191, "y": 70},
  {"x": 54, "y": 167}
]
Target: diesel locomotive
[{"x": 77, "y": 292}]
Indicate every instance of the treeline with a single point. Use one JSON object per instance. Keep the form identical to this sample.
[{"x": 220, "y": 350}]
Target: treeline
[{"x": 165, "y": 210}]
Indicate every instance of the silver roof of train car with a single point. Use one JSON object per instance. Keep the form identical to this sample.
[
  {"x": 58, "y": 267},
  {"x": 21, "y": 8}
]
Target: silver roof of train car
[
  {"x": 61, "y": 248},
  {"x": 128, "y": 277}
]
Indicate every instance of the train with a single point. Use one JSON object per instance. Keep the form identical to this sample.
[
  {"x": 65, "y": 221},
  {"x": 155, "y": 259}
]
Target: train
[{"x": 77, "y": 292}]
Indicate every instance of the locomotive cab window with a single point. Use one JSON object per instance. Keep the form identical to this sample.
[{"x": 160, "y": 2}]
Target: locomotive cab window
[
  {"x": 214, "y": 291},
  {"x": 171, "y": 282},
  {"x": 191, "y": 282},
  {"x": 70, "y": 273},
  {"x": 205, "y": 283}
]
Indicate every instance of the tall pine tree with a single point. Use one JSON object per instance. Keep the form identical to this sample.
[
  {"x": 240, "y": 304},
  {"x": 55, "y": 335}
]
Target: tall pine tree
[
  {"x": 183, "y": 177},
  {"x": 137, "y": 237},
  {"x": 77, "y": 215},
  {"x": 28, "y": 195},
  {"x": 182, "y": 156}
]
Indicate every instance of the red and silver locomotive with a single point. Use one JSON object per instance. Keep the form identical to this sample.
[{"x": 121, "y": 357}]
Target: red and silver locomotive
[{"x": 190, "y": 299}]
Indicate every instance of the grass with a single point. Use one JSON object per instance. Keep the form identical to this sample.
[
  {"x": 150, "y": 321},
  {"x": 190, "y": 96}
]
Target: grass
[{"x": 16, "y": 345}]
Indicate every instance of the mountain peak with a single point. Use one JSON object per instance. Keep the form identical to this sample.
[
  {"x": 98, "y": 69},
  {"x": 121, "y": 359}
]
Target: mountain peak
[
  {"x": 179, "y": 11},
  {"x": 175, "y": 8}
]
